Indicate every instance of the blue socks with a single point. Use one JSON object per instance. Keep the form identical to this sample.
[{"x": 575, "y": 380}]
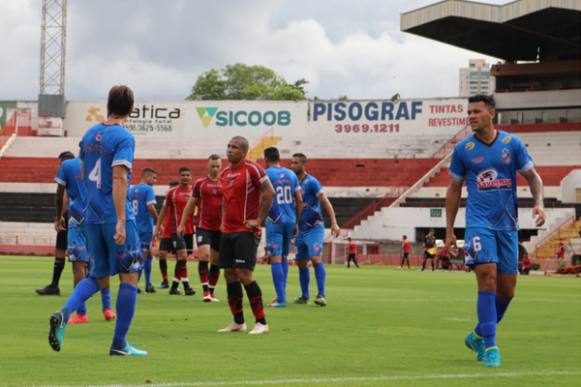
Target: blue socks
[
  {"x": 501, "y": 307},
  {"x": 320, "y": 275},
  {"x": 147, "y": 269},
  {"x": 106, "y": 298},
  {"x": 304, "y": 279},
  {"x": 82, "y": 292},
  {"x": 284, "y": 264},
  {"x": 125, "y": 310},
  {"x": 486, "y": 308},
  {"x": 278, "y": 280}
]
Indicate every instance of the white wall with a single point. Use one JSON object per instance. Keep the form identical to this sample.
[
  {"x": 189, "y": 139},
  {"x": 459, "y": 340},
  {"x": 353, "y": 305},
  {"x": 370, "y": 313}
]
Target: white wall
[{"x": 569, "y": 186}]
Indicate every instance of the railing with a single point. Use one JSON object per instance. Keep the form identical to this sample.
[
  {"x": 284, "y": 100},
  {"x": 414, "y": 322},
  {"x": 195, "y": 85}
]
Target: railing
[
  {"x": 556, "y": 229},
  {"x": 449, "y": 145},
  {"x": 5, "y": 142}
]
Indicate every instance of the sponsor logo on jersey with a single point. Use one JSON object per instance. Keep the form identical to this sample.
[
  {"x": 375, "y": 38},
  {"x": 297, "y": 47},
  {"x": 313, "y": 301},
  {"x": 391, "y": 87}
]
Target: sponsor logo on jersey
[
  {"x": 488, "y": 180},
  {"x": 506, "y": 140},
  {"x": 477, "y": 160},
  {"x": 469, "y": 146}
]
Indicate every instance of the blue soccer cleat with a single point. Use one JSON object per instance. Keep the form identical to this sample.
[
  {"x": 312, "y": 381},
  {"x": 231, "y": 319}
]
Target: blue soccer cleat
[
  {"x": 56, "y": 333},
  {"x": 492, "y": 357},
  {"x": 476, "y": 344},
  {"x": 128, "y": 350}
]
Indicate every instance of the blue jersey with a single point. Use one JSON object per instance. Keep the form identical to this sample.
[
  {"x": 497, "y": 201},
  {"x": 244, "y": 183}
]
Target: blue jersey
[
  {"x": 490, "y": 173},
  {"x": 311, "y": 215},
  {"x": 69, "y": 176},
  {"x": 141, "y": 196},
  {"x": 102, "y": 148},
  {"x": 285, "y": 184}
]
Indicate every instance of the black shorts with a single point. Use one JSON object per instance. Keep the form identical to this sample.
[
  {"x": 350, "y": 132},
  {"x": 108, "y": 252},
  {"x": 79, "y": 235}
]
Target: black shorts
[
  {"x": 428, "y": 255},
  {"x": 406, "y": 255},
  {"x": 351, "y": 257},
  {"x": 208, "y": 237},
  {"x": 61, "y": 240},
  {"x": 238, "y": 249},
  {"x": 167, "y": 244},
  {"x": 176, "y": 243}
]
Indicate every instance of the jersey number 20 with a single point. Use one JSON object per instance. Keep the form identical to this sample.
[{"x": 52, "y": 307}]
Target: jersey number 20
[{"x": 283, "y": 195}]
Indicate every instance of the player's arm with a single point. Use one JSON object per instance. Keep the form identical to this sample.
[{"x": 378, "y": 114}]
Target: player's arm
[
  {"x": 160, "y": 219},
  {"x": 536, "y": 187},
  {"x": 188, "y": 210},
  {"x": 59, "y": 220},
  {"x": 119, "y": 200},
  {"x": 152, "y": 211},
  {"x": 266, "y": 200},
  {"x": 453, "y": 195},
  {"x": 335, "y": 230}
]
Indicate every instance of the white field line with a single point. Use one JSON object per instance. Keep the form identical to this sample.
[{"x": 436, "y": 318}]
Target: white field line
[{"x": 392, "y": 378}]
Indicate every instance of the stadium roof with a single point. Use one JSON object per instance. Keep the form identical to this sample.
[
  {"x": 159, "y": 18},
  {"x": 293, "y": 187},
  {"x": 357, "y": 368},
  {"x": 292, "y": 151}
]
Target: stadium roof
[{"x": 520, "y": 30}]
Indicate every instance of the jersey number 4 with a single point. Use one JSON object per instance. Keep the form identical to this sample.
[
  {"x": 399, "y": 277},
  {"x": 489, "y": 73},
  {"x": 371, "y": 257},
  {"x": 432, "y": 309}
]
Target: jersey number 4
[{"x": 95, "y": 174}]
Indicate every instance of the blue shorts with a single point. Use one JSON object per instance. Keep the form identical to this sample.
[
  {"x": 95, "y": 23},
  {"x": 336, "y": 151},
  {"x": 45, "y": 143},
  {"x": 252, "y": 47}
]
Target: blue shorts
[
  {"x": 77, "y": 244},
  {"x": 310, "y": 243},
  {"x": 146, "y": 238},
  {"x": 109, "y": 258},
  {"x": 278, "y": 236},
  {"x": 483, "y": 245}
]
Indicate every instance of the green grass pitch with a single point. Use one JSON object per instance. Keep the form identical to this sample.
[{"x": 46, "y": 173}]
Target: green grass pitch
[{"x": 382, "y": 327}]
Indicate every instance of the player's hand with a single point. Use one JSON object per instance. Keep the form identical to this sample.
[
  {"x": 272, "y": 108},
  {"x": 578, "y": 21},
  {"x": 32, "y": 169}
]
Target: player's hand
[
  {"x": 539, "y": 215},
  {"x": 335, "y": 230},
  {"x": 451, "y": 244},
  {"x": 252, "y": 223},
  {"x": 180, "y": 230},
  {"x": 119, "y": 236},
  {"x": 60, "y": 224},
  {"x": 295, "y": 231}
]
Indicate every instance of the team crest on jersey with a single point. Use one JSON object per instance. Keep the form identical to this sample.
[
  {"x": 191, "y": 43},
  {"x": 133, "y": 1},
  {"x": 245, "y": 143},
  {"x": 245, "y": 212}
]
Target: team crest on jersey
[
  {"x": 98, "y": 137},
  {"x": 506, "y": 156},
  {"x": 469, "y": 146},
  {"x": 488, "y": 180},
  {"x": 506, "y": 140}
]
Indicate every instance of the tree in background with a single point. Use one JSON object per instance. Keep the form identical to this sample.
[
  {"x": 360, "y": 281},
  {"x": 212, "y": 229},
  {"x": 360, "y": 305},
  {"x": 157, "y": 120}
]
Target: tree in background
[{"x": 242, "y": 82}]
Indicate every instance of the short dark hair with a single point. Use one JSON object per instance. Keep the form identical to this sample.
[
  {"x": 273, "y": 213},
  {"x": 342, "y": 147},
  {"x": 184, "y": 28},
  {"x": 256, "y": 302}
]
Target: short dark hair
[
  {"x": 184, "y": 169},
  {"x": 487, "y": 99},
  {"x": 301, "y": 156},
  {"x": 243, "y": 141},
  {"x": 348, "y": 239},
  {"x": 214, "y": 156},
  {"x": 272, "y": 154},
  {"x": 405, "y": 237},
  {"x": 173, "y": 183},
  {"x": 147, "y": 170},
  {"x": 120, "y": 101},
  {"x": 66, "y": 155}
]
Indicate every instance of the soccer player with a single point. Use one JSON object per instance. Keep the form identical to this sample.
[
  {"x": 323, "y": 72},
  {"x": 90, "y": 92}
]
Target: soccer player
[
  {"x": 488, "y": 160},
  {"x": 248, "y": 197},
  {"x": 406, "y": 248},
  {"x": 143, "y": 204},
  {"x": 207, "y": 197},
  {"x": 352, "y": 253},
  {"x": 166, "y": 244},
  {"x": 429, "y": 249},
  {"x": 311, "y": 234},
  {"x": 69, "y": 178},
  {"x": 107, "y": 152},
  {"x": 174, "y": 205},
  {"x": 60, "y": 250},
  {"x": 282, "y": 220}
]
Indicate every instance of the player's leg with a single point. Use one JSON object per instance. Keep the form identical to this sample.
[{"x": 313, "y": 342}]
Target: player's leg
[
  {"x": 164, "y": 249},
  {"x": 245, "y": 248},
  {"x": 314, "y": 241},
  {"x": 425, "y": 260},
  {"x": 146, "y": 242},
  {"x": 214, "y": 273},
  {"x": 189, "y": 242},
  {"x": 60, "y": 253},
  {"x": 302, "y": 260},
  {"x": 203, "y": 243},
  {"x": 233, "y": 284},
  {"x": 274, "y": 239},
  {"x": 507, "y": 270},
  {"x": 128, "y": 262}
]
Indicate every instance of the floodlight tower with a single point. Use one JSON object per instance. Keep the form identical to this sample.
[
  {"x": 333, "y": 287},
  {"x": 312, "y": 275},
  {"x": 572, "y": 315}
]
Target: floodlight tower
[{"x": 53, "y": 34}]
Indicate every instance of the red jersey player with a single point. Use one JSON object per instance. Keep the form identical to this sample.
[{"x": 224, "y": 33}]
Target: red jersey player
[
  {"x": 207, "y": 197},
  {"x": 173, "y": 206},
  {"x": 248, "y": 196}
]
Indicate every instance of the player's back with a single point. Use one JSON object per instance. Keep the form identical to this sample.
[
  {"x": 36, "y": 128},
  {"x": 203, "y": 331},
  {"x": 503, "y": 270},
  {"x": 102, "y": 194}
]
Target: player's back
[
  {"x": 285, "y": 184},
  {"x": 102, "y": 148},
  {"x": 311, "y": 215},
  {"x": 69, "y": 175},
  {"x": 140, "y": 196}
]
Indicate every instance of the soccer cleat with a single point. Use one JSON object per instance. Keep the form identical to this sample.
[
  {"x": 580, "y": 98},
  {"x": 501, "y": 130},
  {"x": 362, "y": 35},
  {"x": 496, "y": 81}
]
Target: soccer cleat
[
  {"x": 128, "y": 350},
  {"x": 492, "y": 357},
  {"x": 164, "y": 285},
  {"x": 259, "y": 329},
  {"x": 48, "y": 290},
  {"x": 320, "y": 300},
  {"x": 109, "y": 314},
  {"x": 138, "y": 290},
  {"x": 214, "y": 299},
  {"x": 78, "y": 319},
  {"x": 175, "y": 292},
  {"x": 207, "y": 297},
  {"x": 56, "y": 333},
  {"x": 234, "y": 327},
  {"x": 189, "y": 292},
  {"x": 276, "y": 304},
  {"x": 149, "y": 288},
  {"x": 301, "y": 301},
  {"x": 476, "y": 344}
]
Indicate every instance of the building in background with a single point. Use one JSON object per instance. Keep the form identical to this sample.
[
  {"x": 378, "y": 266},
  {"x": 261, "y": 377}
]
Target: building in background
[{"x": 476, "y": 78}]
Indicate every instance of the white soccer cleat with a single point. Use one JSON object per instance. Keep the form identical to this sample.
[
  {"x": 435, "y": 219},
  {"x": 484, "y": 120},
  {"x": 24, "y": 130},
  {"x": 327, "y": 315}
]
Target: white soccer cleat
[
  {"x": 233, "y": 327},
  {"x": 214, "y": 299},
  {"x": 259, "y": 329}
]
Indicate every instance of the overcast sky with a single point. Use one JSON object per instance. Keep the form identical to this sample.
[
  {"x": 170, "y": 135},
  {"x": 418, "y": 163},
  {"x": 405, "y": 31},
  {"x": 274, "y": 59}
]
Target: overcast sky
[{"x": 160, "y": 47}]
